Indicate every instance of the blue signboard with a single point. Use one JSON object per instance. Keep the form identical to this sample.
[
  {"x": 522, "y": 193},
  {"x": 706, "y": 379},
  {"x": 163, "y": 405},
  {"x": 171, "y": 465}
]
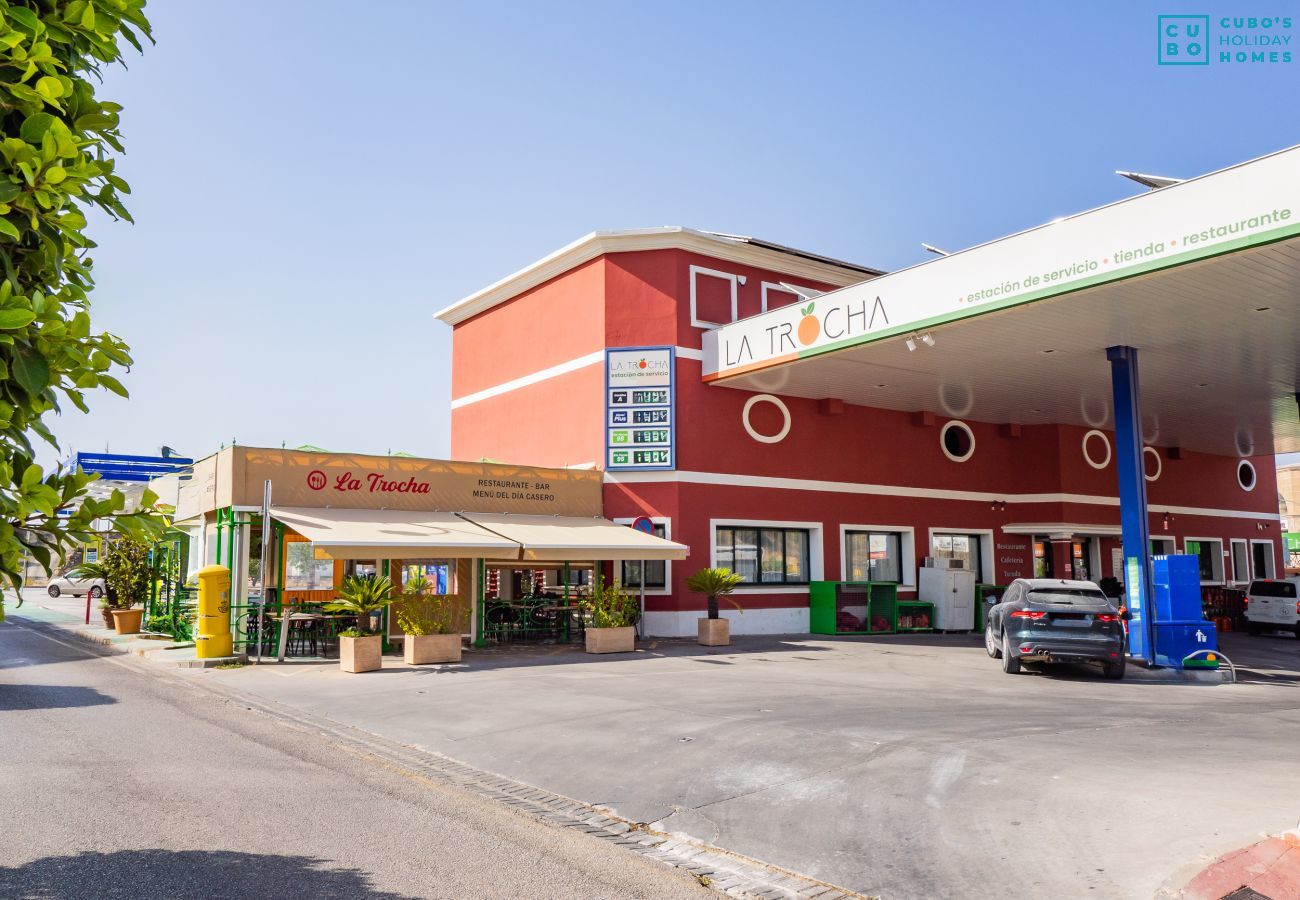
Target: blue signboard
[
  {"x": 640, "y": 420},
  {"x": 121, "y": 467}
]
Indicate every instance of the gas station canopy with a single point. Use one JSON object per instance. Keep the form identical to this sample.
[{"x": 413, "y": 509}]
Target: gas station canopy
[{"x": 1203, "y": 277}]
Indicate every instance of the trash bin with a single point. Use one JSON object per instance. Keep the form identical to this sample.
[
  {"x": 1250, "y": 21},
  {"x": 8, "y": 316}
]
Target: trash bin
[{"x": 1176, "y": 640}]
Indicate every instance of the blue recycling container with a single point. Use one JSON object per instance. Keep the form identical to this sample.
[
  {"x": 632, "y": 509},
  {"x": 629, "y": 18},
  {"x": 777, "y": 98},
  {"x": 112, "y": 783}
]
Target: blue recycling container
[{"x": 1175, "y": 640}]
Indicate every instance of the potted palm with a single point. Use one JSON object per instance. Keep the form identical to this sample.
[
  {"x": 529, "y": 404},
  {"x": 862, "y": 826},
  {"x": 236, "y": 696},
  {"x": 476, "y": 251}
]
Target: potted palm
[
  {"x": 714, "y": 631},
  {"x": 361, "y": 648},
  {"x": 428, "y": 619},
  {"x": 612, "y": 615}
]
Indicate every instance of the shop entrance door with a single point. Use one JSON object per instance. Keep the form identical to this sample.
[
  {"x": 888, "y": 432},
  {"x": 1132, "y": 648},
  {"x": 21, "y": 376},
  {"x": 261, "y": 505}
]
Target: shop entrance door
[
  {"x": 1081, "y": 553},
  {"x": 1043, "y": 558}
]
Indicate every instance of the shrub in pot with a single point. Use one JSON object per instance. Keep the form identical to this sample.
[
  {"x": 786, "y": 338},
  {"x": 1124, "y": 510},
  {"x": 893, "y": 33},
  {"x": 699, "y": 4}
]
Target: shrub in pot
[
  {"x": 360, "y": 648},
  {"x": 128, "y": 574},
  {"x": 428, "y": 619},
  {"x": 714, "y": 631},
  {"x": 612, "y": 615}
]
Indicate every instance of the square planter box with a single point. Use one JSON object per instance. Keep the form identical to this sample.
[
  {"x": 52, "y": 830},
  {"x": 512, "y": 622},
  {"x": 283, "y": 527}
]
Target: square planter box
[
  {"x": 127, "y": 621},
  {"x": 611, "y": 640},
  {"x": 422, "y": 649},
  {"x": 361, "y": 654},
  {"x": 713, "y": 632}
]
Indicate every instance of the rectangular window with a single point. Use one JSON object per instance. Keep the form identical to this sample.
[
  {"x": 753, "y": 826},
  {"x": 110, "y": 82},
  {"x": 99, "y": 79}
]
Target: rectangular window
[
  {"x": 439, "y": 573},
  {"x": 764, "y": 555},
  {"x": 1262, "y": 557},
  {"x": 1240, "y": 562},
  {"x": 303, "y": 571},
  {"x": 1209, "y": 556},
  {"x": 655, "y": 569},
  {"x": 965, "y": 547},
  {"x": 874, "y": 556},
  {"x": 1163, "y": 547}
]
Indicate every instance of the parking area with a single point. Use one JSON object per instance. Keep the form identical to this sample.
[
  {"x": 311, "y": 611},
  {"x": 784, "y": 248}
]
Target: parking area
[{"x": 903, "y": 766}]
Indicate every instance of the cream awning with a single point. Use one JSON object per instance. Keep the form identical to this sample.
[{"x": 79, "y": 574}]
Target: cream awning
[
  {"x": 568, "y": 537},
  {"x": 394, "y": 534}
]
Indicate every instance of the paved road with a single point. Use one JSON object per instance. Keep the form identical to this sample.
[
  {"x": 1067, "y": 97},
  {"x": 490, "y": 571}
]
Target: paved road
[
  {"x": 117, "y": 781},
  {"x": 904, "y": 766}
]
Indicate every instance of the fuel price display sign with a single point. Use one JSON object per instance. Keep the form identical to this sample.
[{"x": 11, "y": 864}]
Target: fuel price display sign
[{"x": 639, "y": 421}]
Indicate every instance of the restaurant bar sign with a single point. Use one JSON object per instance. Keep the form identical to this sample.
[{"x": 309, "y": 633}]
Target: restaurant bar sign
[
  {"x": 639, "y": 415},
  {"x": 235, "y": 477}
]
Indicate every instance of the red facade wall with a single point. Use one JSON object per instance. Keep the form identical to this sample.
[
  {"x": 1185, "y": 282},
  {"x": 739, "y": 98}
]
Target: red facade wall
[{"x": 642, "y": 299}]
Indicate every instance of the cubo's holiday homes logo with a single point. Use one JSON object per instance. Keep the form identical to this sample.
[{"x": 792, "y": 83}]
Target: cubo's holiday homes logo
[{"x": 1187, "y": 40}]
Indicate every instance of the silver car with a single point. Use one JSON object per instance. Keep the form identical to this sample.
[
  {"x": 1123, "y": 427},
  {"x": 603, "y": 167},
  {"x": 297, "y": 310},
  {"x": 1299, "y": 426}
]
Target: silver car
[{"x": 76, "y": 587}]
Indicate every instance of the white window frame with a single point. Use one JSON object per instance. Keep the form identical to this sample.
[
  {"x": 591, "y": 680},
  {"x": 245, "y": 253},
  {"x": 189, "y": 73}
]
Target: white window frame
[
  {"x": 986, "y": 548},
  {"x": 1170, "y": 543},
  {"x": 776, "y": 286},
  {"x": 906, "y": 549},
  {"x": 667, "y": 523},
  {"x": 816, "y": 558},
  {"x": 1272, "y": 558},
  {"x": 696, "y": 321},
  {"x": 1232, "y": 559},
  {"x": 1208, "y": 540}
]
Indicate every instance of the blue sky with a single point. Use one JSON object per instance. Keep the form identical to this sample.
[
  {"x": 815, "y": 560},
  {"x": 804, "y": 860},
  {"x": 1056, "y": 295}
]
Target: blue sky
[{"x": 313, "y": 180}]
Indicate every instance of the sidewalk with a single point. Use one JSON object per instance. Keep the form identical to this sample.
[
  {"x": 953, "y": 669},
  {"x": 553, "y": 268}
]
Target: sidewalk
[{"x": 68, "y": 614}]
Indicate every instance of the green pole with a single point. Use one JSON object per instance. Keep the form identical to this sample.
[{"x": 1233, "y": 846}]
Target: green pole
[{"x": 480, "y": 602}]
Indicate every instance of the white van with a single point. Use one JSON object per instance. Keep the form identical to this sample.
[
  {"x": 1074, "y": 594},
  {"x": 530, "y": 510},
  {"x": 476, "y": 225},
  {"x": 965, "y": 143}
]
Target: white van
[{"x": 1273, "y": 606}]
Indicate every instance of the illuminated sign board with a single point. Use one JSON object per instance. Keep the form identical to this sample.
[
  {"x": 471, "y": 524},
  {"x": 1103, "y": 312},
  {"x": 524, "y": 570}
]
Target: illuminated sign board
[{"x": 640, "y": 426}]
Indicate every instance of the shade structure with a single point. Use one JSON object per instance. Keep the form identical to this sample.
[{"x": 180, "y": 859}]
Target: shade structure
[
  {"x": 568, "y": 537},
  {"x": 394, "y": 534}
]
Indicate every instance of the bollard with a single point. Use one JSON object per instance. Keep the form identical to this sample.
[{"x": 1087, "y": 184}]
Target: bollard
[{"x": 212, "y": 637}]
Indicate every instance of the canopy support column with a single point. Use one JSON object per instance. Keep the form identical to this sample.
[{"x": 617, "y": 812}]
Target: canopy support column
[{"x": 1133, "y": 499}]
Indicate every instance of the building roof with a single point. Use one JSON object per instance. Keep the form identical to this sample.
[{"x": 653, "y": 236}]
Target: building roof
[{"x": 734, "y": 248}]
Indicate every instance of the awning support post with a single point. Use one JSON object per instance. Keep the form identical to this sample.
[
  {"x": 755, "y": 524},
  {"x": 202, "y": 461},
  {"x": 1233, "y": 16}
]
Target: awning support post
[{"x": 1133, "y": 500}]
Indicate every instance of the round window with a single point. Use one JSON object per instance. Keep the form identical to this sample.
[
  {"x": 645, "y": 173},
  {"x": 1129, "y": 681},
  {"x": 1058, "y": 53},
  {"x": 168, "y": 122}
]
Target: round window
[
  {"x": 1151, "y": 455},
  {"x": 1246, "y": 475},
  {"x": 957, "y": 441},
  {"x": 781, "y": 408},
  {"x": 1096, "y": 449}
]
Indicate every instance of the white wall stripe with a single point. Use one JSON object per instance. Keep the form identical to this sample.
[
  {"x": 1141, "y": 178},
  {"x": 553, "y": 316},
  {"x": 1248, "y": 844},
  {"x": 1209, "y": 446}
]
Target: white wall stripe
[
  {"x": 893, "y": 490},
  {"x": 563, "y": 368},
  {"x": 515, "y": 384}
]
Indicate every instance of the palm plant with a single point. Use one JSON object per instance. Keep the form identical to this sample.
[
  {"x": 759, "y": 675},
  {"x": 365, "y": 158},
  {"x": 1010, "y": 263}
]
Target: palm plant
[
  {"x": 715, "y": 583},
  {"x": 362, "y": 596}
]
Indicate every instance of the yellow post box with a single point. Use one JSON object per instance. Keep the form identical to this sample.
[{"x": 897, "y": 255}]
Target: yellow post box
[{"x": 212, "y": 638}]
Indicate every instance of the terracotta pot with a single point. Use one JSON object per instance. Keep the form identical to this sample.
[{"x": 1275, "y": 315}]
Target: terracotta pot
[
  {"x": 361, "y": 654},
  {"x": 611, "y": 640},
  {"x": 713, "y": 632},
  {"x": 127, "y": 621},
  {"x": 107, "y": 612},
  {"x": 422, "y": 649}
]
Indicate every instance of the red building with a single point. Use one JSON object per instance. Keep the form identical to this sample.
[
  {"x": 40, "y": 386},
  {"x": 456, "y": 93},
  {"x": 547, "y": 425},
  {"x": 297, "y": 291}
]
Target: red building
[{"x": 790, "y": 489}]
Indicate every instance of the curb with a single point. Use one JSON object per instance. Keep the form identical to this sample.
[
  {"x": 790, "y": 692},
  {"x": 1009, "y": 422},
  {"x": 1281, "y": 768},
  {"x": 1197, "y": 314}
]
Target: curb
[{"x": 732, "y": 874}]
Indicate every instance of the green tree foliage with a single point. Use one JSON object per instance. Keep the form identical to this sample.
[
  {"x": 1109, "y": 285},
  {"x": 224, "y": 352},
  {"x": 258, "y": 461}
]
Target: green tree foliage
[{"x": 56, "y": 165}]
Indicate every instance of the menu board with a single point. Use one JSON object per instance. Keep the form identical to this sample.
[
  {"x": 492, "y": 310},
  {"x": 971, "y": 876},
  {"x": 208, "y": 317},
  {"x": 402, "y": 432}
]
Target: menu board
[{"x": 640, "y": 427}]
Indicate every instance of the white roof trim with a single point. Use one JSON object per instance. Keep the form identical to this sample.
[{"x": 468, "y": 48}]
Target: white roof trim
[{"x": 598, "y": 243}]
